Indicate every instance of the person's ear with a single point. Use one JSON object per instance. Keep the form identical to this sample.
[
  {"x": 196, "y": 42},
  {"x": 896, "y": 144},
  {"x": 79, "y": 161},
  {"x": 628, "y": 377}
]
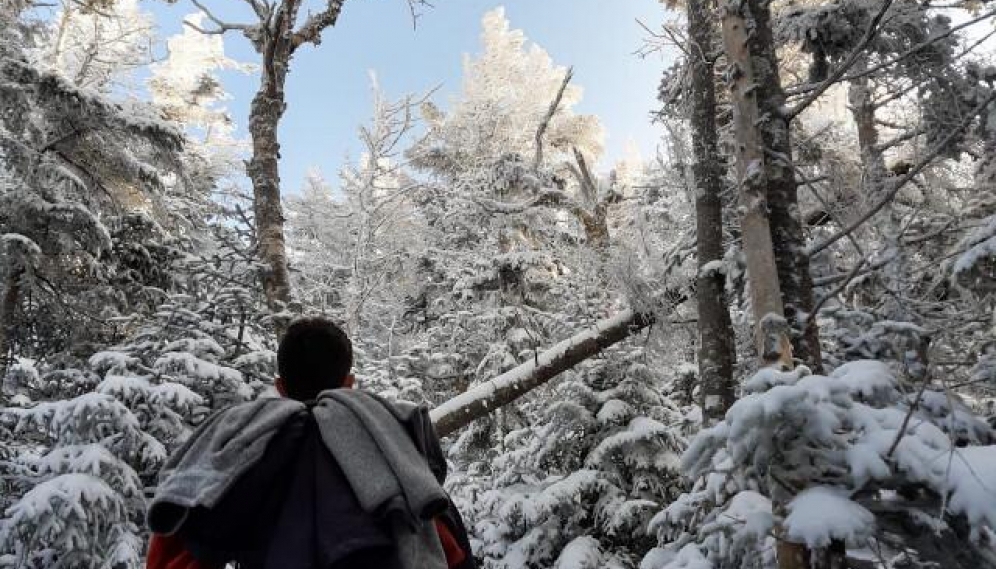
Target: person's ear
[
  {"x": 281, "y": 387},
  {"x": 349, "y": 381}
]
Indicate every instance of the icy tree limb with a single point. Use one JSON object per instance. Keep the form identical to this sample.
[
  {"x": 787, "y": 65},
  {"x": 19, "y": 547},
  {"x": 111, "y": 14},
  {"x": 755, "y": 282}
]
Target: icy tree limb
[
  {"x": 584, "y": 177},
  {"x": 870, "y": 32},
  {"x": 538, "y": 159},
  {"x": 802, "y": 89},
  {"x": 902, "y": 181},
  {"x": 222, "y": 26},
  {"x": 311, "y": 30},
  {"x": 509, "y": 386}
]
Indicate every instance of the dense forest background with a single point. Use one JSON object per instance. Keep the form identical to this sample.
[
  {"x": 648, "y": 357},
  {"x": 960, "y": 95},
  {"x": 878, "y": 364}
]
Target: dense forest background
[{"x": 771, "y": 345}]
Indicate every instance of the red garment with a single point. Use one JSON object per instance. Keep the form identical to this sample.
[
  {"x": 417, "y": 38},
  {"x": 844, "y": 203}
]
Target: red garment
[
  {"x": 167, "y": 551},
  {"x": 455, "y": 555}
]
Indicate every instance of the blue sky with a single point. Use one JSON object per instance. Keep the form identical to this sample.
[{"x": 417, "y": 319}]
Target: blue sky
[{"x": 328, "y": 90}]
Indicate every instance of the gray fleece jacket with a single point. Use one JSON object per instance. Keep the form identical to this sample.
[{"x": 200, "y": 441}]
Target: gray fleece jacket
[{"x": 364, "y": 433}]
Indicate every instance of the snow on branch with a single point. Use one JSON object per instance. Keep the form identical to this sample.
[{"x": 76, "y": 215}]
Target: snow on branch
[
  {"x": 870, "y": 32},
  {"x": 916, "y": 49},
  {"x": 545, "y": 197},
  {"x": 509, "y": 386},
  {"x": 311, "y": 30}
]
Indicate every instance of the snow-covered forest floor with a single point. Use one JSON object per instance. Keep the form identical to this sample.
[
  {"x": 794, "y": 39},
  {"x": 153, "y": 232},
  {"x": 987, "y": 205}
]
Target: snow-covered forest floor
[{"x": 773, "y": 344}]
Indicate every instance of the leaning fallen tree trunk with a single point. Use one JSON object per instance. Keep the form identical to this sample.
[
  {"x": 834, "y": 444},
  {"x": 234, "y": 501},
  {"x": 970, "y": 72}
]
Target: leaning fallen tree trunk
[{"x": 509, "y": 386}]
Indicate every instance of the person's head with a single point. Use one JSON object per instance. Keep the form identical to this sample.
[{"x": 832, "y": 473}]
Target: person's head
[{"x": 314, "y": 355}]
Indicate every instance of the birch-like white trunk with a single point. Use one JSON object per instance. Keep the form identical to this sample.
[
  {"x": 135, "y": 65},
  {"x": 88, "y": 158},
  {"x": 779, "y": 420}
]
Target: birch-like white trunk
[
  {"x": 509, "y": 386},
  {"x": 754, "y": 174}
]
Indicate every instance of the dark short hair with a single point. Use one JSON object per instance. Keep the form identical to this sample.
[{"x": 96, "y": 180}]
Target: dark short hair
[{"x": 314, "y": 355}]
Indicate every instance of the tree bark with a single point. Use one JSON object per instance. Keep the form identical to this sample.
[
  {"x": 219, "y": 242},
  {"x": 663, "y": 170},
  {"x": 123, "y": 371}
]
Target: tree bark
[
  {"x": 863, "y": 111},
  {"x": 759, "y": 181},
  {"x": 716, "y": 347},
  {"x": 766, "y": 298},
  {"x": 509, "y": 386},
  {"x": 275, "y": 39},
  {"x": 786, "y": 227},
  {"x": 265, "y": 112}
]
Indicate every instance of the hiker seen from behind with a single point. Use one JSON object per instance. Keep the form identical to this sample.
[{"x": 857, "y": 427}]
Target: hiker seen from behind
[{"x": 324, "y": 477}]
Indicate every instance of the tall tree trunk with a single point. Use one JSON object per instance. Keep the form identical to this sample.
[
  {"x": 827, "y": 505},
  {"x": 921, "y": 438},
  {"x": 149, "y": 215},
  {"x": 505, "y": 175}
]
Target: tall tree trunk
[
  {"x": 263, "y": 169},
  {"x": 786, "y": 226},
  {"x": 766, "y": 298},
  {"x": 8, "y": 306},
  {"x": 758, "y": 175},
  {"x": 274, "y": 37},
  {"x": 863, "y": 111},
  {"x": 716, "y": 346}
]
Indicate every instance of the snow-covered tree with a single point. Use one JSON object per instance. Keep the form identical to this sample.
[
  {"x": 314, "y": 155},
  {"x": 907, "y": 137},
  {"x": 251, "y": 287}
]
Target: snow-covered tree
[
  {"x": 507, "y": 91},
  {"x": 130, "y": 306},
  {"x": 576, "y": 485},
  {"x": 98, "y": 44},
  {"x": 75, "y": 494},
  {"x": 100, "y": 433},
  {"x": 856, "y": 460},
  {"x": 72, "y": 158},
  {"x": 186, "y": 85}
]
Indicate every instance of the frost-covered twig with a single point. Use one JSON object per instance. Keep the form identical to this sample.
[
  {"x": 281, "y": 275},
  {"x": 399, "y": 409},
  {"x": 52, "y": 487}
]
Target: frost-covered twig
[{"x": 222, "y": 26}]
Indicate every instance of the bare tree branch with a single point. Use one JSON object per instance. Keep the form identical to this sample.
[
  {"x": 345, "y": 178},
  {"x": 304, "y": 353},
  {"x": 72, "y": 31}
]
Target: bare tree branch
[
  {"x": 674, "y": 39},
  {"x": 222, "y": 25},
  {"x": 413, "y": 6},
  {"x": 259, "y": 8},
  {"x": 839, "y": 288},
  {"x": 914, "y": 405},
  {"x": 799, "y": 90},
  {"x": 311, "y": 30},
  {"x": 899, "y": 139},
  {"x": 831, "y": 279}
]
